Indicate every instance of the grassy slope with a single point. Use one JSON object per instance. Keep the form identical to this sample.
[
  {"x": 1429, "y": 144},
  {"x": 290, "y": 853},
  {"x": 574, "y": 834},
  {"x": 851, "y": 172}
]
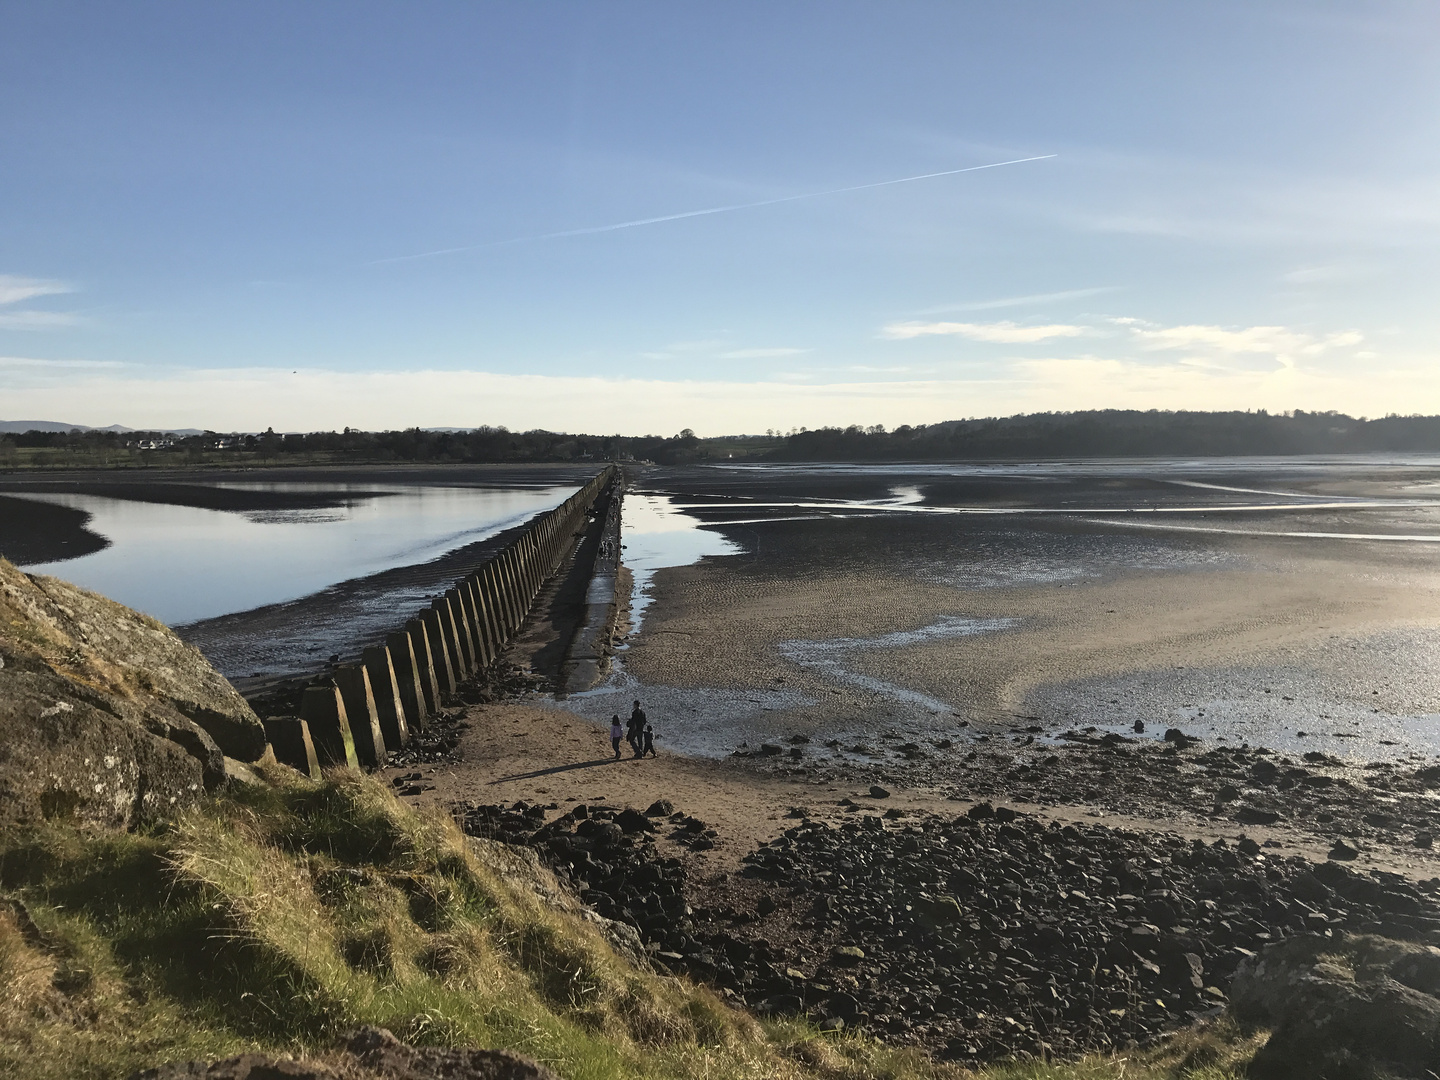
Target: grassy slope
[{"x": 278, "y": 918}]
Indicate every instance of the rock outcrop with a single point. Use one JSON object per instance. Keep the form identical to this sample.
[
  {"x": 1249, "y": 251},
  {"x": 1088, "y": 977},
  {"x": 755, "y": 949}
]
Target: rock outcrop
[
  {"x": 1358, "y": 1008},
  {"x": 106, "y": 715}
]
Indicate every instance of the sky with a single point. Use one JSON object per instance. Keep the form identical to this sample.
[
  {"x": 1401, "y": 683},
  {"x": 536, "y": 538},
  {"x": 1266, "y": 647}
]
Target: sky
[{"x": 306, "y": 216}]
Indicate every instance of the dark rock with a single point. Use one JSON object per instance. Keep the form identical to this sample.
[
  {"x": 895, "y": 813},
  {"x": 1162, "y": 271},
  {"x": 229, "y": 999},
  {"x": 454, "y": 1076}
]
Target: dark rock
[
  {"x": 660, "y": 808},
  {"x": 1254, "y": 815},
  {"x": 1226, "y": 793},
  {"x": 878, "y": 792},
  {"x": 1264, "y": 771},
  {"x": 633, "y": 821},
  {"x": 1342, "y": 1009},
  {"x": 771, "y": 750},
  {"x": 1343, "y": 851}
]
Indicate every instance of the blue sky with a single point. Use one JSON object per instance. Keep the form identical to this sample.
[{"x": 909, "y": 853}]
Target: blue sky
[{"x": 207, "y": 211}]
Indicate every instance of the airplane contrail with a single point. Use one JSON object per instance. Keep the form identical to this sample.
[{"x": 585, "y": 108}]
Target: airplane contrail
[{"x": 593, "y": 229}]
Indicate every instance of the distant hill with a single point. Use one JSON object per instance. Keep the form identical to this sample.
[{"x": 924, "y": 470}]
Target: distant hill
[
  {"x": 1118, "y": 433},
  {"x": 19, "y": 427}
]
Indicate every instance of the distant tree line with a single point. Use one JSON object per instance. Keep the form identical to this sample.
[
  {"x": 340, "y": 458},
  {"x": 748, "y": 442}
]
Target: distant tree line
[
  {"x": 1101, "y": 433},
  {"x": 1118, "y": 433},
  {"x": 482, "y": 444}
]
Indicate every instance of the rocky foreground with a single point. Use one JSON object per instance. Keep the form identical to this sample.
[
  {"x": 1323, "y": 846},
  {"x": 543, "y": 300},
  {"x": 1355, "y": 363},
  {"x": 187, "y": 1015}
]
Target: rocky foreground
[
  {"x": 1385, "y": 807},
  {"x": 984, "y": 936}
]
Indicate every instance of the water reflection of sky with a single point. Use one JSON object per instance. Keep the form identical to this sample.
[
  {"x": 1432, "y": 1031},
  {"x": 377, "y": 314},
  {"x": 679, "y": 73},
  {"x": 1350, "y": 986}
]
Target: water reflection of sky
[
  {"x": 656, "y": 534},
  {"x": 182, "y": 563}
]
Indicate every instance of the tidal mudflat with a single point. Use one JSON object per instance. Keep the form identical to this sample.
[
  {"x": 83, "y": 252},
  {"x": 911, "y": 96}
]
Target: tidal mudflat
[
  {"x": 961, "y": 629},
  {"x": 1241, "y": 598}
]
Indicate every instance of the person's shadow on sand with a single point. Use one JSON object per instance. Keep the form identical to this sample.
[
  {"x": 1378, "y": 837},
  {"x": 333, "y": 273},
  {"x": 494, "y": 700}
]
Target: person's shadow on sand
[{"x": 555, "y": 769}]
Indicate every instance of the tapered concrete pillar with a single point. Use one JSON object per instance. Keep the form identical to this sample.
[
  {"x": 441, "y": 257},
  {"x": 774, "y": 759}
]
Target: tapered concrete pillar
[
  {"x": 322, "y": 708},
  {"x": 453, "y": 654},
  {"x": 484, "y": 652},
  {"x": 462, "y": 632},
  {"x": 407, "y": 681},
  {"x": 425, "y": 664},
  {"x": 359, "y": 697},
  {"x": 525, "y": 554},
  {"x": 516, "y": 591},
  {"x": 439, "y": 654},
  {"x": 289, "y": 738},
  {"x": 495, "y": 580},
  {"x": 486, "y": 609},
  {"x": 385, "y": 685}
]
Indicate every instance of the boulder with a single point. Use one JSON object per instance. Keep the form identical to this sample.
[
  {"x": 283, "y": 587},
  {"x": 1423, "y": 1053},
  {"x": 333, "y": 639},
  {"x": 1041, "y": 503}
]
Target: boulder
[
  {"x": 1350, "y": 1009},
  {"x": 121, "y": 650},
  {"x": 105, "y": 715}
]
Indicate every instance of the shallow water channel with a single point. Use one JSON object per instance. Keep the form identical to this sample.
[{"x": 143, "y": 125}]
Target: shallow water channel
[{"x": 183, "y": 563}]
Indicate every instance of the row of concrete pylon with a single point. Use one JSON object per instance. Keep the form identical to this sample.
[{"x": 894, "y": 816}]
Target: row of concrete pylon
[{"x": 368, "y": 709}]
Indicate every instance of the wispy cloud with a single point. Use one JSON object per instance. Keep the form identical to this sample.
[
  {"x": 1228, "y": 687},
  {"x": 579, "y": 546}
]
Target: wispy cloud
[
  {"x": 594, "y": 230},
  {"x": 1021, "y": 301},
  {"x": 760, "y": 354},
  {"x": 36, "y": 320},
  {"x": 1004, "y": 333},
  {"x": 14, "y": 288},
  {"x": 1321, "y": 275},
  {"x": 30, "y": 363},
  {"x": 1281, "y": 342}
]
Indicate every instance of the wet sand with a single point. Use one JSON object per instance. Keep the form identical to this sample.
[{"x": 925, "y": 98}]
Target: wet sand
[
  {"x": 949, "y": 656},
  {"x": 839, "y": 625},
  {"x": 33, "y": 532}
]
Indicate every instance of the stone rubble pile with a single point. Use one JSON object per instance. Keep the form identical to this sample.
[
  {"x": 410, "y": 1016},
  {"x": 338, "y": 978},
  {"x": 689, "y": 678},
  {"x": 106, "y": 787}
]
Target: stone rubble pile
[{"x": 985, "y": 936}]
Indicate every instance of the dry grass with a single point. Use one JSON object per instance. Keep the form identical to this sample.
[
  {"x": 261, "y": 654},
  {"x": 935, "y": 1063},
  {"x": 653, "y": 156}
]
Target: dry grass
[{"x": 279, "y": 918}]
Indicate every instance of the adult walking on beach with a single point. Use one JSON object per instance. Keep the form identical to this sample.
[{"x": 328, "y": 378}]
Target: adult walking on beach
[
  {"x": 616, "y": 734},
  {"x": 636, "y": 728}
]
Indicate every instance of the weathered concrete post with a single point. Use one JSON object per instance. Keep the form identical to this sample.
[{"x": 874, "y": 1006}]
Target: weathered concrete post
[
  {"x": 496, "y": 571},
  {"x": 530, "y": 566},
  {"x": 439, "y": 654},
  {"x": 289, "y": 737},
  {"x": 322, "y": 708},
  {"x": 407, "y": 679},
  {"x": 489, "y": 612},
  {"x": 484, "y": 655},
  {"x": 512, "y": 579},
  {"x": 462, "y": 632},
  {"x": 385, "y": 683},
  {"x": 359, "y": 698},
  {"x": 455, "y": 659},
  {"x": 425, "y": 666}
]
